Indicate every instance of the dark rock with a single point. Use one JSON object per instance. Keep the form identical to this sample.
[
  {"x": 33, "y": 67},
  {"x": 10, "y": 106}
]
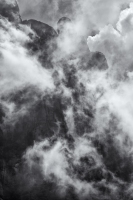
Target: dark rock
[
  {"x": 98, "y": 61},
  {"x": 62, "y": 23},
  {"x": 44, "y": 31},
  {"x": 10, "y": 10},
  {"x": 44, "y": 41}
]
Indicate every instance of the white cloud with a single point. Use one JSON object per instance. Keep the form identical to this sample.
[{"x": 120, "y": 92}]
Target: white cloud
[
  {"x": 17, "y": 67},
  {"x": 117, "y": 46},
  {"x": 57, "y": 160}
]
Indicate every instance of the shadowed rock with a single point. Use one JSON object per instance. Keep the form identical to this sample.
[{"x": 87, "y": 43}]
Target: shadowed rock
[
  {"x": 43, "y": 30},
  {"x": 10, "y": 10},
  {"x": 62, "y": 23},
  {"x": 44, "y": 42},
  {"x": 98, "y": 61}
]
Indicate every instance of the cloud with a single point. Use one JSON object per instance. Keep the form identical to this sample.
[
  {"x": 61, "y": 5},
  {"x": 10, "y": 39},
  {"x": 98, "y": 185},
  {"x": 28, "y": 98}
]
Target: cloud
[
  {"x": 89, "y": 14},
  {"x": 57, "y": 160},
  {"x": 116, "y": 45},
  {"x": 46, "y": 11},
  {"x": 124, "y": 24},
  {"x": 18, "y": 68},
  {"x": 100, "y": 98},
  {"x": 93, "y": 153}
]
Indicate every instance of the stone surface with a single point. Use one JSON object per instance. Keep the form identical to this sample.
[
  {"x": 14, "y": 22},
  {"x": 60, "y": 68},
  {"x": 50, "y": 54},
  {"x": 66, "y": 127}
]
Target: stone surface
[{"x": 10, "y": 10}]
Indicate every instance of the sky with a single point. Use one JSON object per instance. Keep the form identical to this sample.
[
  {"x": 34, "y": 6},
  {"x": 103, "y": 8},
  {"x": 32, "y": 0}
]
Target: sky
[
  {"x": 46, "y": 11},
  {"x": 49, "y": 11}
]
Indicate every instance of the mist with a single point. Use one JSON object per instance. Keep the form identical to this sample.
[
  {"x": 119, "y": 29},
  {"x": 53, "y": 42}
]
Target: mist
[{"x": 66, "y": 99}]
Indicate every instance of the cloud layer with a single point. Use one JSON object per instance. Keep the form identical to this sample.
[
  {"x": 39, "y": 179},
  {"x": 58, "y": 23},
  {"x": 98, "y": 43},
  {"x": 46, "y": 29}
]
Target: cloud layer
[{"x": 73, "y": 119}]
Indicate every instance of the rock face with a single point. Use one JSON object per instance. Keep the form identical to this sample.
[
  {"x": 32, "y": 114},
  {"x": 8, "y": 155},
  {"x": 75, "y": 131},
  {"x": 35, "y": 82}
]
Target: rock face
[
  {"x": 98, "y": 61},
  {"x": 61, "y": 23},
  {"x": 10, "y": 10},
  {"x": 43, "y": 30},
  {"x": 44, "y": 41}
]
